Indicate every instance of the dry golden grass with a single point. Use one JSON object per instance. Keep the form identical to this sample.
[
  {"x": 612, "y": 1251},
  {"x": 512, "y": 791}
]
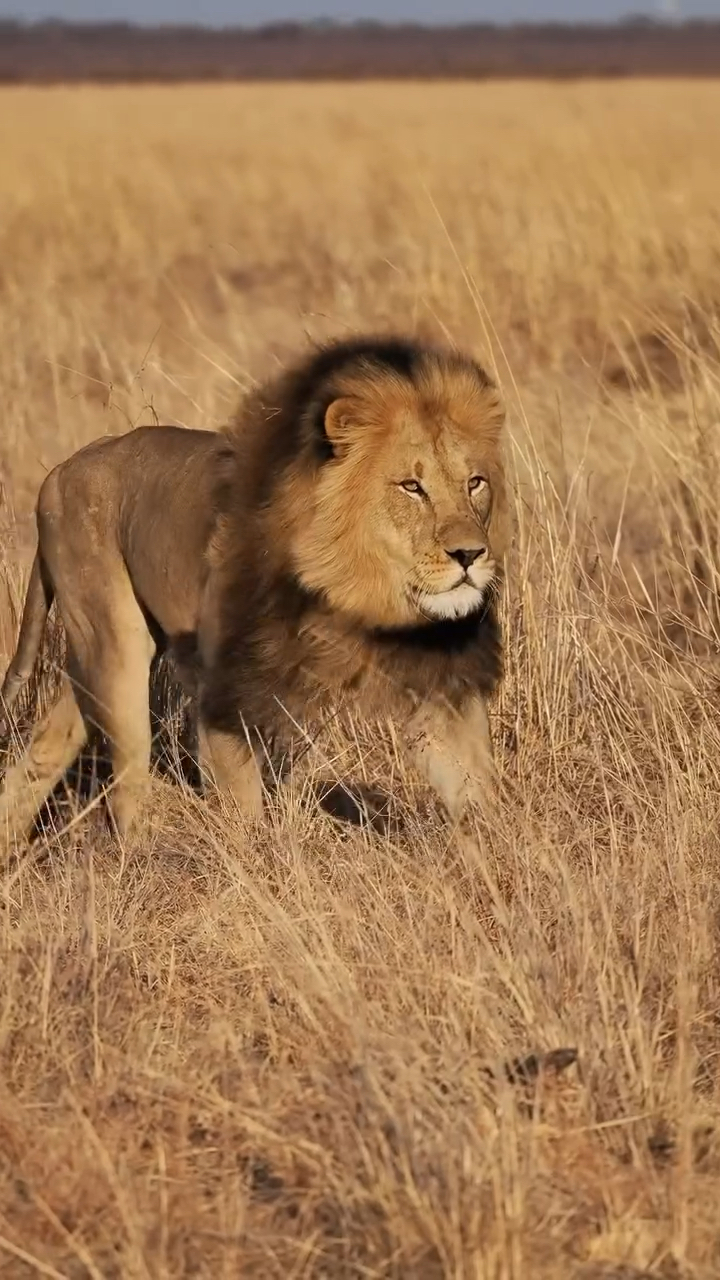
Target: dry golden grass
[{"x": 221, "y": 1058}]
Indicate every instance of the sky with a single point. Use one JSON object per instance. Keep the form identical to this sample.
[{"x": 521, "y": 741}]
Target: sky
[{"x": 251, "y": 12}]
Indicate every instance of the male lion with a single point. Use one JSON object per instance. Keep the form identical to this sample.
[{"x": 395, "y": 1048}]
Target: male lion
[{"x": 335, "y": 549}]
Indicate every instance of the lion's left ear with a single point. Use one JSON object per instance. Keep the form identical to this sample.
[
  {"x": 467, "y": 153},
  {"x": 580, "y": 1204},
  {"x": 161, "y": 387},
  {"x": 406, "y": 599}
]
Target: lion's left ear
[{"x": 341, "y": 421}]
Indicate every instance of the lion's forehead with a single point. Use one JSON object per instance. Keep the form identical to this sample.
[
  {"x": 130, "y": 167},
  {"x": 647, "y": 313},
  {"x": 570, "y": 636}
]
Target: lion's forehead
[
  {"x": 446, "y": 457},
  {"x": 438, "y": 403}
]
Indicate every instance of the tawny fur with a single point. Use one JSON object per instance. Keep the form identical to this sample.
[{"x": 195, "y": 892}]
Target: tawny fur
[{"x": 334, "y": 551}]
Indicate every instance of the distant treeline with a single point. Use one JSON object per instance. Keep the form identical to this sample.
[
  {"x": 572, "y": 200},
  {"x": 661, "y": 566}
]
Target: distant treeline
[{"x": 52, "y": 52}]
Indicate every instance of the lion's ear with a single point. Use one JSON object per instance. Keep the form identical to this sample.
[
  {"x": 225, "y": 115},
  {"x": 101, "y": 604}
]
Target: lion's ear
[{"x": 341, "y": 421}]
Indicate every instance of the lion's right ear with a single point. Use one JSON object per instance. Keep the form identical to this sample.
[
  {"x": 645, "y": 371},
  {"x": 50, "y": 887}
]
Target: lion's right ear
[{"x": 341, "y": 422}]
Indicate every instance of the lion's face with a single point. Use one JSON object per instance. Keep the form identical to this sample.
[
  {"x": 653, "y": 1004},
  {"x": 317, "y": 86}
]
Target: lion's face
[
  {"x": 404, "y": 522},
  {"x": 437, "y": 519}
]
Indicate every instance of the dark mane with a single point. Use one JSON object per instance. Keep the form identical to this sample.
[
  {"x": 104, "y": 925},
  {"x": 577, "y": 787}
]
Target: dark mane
[
  {"x": 469, "y": 648},
  {"x": 448, "y": 635}
]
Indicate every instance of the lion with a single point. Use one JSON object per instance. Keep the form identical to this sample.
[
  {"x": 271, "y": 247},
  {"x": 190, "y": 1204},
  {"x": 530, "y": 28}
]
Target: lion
[{"x": 335, "y": 550}]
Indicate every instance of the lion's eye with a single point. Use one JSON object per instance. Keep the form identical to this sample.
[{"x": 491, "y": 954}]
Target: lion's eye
[
  {"x": 475, "y": 483},
  {"x": 411, "y": 486}
]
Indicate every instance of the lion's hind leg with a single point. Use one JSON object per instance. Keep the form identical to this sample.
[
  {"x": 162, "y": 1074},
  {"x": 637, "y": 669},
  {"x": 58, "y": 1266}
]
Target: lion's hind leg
[
  {"x": 110, "y": 650},
  {"x": 55, "y": 742},
  {"x": 110, "y": 665},
  {"x": 106, "y": 689}
]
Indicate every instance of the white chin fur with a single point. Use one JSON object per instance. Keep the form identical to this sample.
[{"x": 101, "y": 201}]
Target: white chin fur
[{"x": 458, "y": 603}]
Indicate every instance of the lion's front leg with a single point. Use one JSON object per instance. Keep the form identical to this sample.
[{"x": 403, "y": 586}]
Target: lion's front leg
[
  {"x": 453, "y": 751},
  {"x": 229, "y": 763}
]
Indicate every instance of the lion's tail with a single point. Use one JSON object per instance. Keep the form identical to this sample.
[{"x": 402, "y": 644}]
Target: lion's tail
[{"x": 38, "y": 601}]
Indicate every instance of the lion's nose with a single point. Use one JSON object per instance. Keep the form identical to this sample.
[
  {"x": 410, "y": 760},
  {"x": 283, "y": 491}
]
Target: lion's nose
[{"x": 468, "y": 555}]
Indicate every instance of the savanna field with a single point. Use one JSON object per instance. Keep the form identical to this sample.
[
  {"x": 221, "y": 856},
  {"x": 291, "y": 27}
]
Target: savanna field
[{"x": 224, "y": 1055}]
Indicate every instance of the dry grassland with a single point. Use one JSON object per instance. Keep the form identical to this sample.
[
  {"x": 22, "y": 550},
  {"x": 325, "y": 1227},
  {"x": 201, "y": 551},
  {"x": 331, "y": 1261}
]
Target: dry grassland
[{"x": 222, "y": 1058}]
